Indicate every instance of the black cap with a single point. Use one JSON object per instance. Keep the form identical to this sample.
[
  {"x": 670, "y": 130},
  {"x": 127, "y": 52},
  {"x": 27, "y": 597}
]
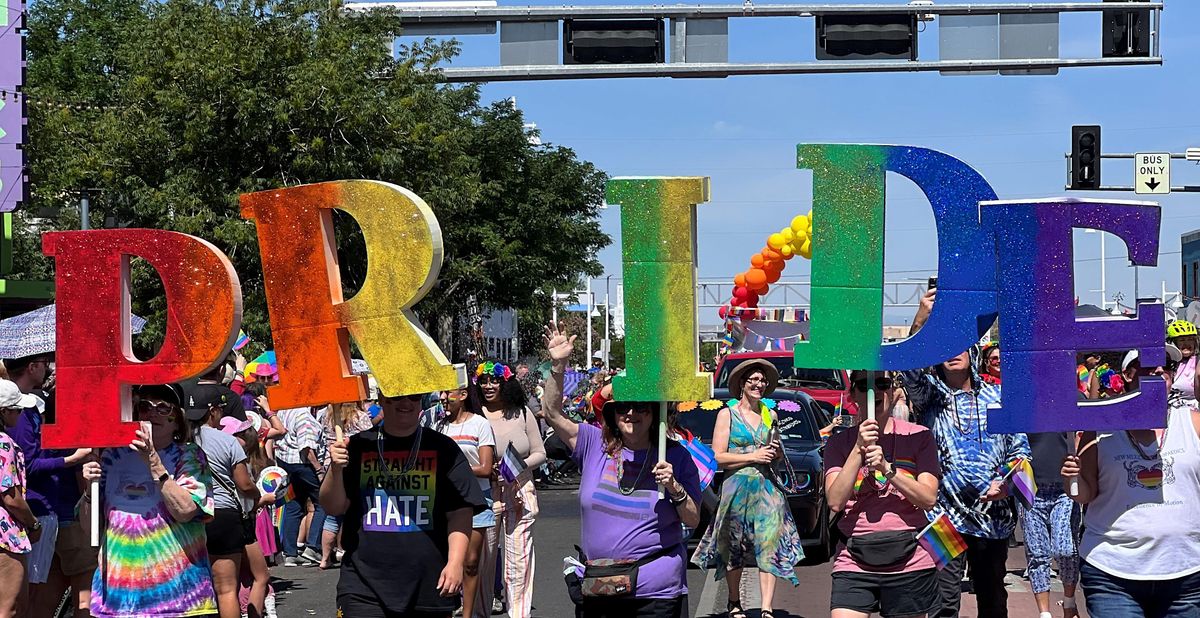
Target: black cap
[
  {"x": 172, "y": 393},
  {"x": 201, "y": 397}
]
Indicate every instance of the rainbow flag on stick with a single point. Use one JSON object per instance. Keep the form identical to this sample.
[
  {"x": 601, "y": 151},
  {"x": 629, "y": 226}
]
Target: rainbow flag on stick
[
  {"x": 942, "y": 541},
  {"x": 242, "y": 340},
  {"x": 1019, "y": 473}
]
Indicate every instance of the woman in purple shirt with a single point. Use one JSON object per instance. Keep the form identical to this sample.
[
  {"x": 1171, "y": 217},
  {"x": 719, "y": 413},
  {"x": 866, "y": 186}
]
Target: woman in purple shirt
[{"x": 623, "y": 515}]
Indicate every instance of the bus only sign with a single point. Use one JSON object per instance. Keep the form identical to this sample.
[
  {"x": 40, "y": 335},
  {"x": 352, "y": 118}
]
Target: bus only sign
[{"x": 1152, "y": 173}]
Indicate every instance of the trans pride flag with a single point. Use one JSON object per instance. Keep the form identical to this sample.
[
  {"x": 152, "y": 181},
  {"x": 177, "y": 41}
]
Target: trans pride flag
[
  {"x": 512, "y": 465},
  {"x": 942, "y": 541}
]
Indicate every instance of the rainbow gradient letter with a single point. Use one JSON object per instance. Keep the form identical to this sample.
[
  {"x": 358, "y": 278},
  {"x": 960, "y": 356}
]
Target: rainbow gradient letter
[
  {"x": 1037, "y": 317},
  {"x": 94, "y": 361},
  {"x": 847, "y": 265},
  {"x": 658, "y": 253},
  {"x": 309, "y": 319}
]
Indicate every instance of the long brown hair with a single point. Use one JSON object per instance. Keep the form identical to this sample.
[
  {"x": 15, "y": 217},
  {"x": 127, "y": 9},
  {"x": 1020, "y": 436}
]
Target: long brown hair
[
  {"x": 340, "y": 415},
  {"x": 614, "y": 441},
  {"x": 255, "y": 452}
]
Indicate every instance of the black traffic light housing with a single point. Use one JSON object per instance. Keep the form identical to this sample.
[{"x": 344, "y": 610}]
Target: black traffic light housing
[
  {"x": 1126, "y": 32},
  {"x": 863, "y": 36},
  {"x": 1085, "y": 157},
  {"x": 614, "y": 41}
]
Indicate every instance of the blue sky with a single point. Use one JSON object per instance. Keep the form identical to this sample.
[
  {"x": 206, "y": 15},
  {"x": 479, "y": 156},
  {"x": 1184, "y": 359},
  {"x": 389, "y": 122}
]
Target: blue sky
[{"x": 742, "y": 132}]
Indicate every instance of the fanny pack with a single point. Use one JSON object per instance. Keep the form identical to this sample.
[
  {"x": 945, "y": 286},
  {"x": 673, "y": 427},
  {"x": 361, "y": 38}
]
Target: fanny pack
[
  {"x": 883, "y": 549},
  {"x": 613, "y": 578}
]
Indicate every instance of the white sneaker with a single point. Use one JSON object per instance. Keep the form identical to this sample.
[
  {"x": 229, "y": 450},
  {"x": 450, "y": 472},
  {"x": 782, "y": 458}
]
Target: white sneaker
[{"x": 269, "y": 606}]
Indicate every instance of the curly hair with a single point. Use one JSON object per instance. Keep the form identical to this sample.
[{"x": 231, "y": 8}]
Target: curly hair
[{"x": 512, "y": 396}]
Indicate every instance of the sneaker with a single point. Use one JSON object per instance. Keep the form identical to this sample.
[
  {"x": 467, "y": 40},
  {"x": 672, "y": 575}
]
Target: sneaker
[
  {"x": 292, "y": 561},
  {"x": 339, "y": 552},
  {"x": 497, "y": 606},
  {"x": 310, "y": 556}
]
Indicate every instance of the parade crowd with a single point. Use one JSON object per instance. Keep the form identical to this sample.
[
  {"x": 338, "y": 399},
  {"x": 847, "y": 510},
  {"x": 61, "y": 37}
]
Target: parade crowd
[{"x": 428, "y": 503}]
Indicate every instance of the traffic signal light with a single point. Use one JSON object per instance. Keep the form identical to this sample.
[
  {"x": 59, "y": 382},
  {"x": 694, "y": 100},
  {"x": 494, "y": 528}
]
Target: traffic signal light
[
  {"x": 1085, "y": 157},
  {"x": 861, "y": 37},
  {"x": 1126, "y": 32},
  {"x": 614, "y": 41}
]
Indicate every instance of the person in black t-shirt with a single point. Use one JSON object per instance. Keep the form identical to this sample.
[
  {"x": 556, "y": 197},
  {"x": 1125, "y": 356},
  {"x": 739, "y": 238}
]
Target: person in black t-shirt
[{"x": 408, "y": 495}]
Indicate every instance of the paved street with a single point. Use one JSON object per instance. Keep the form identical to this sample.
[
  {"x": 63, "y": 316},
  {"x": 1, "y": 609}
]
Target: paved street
[{"x": 311, "y": 592}]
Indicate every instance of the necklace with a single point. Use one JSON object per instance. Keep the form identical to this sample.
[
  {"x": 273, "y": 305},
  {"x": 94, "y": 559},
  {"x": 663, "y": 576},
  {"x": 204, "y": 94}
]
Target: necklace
[
  {"x": 620, "y": 463},
  {"x": 411, "y": 461}
]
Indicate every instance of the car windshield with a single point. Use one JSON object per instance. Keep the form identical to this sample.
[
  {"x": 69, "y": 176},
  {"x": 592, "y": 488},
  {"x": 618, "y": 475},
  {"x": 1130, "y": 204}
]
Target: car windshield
[
  {"x": 793, "y": 426},
  {"x": 789, "y": 376}
]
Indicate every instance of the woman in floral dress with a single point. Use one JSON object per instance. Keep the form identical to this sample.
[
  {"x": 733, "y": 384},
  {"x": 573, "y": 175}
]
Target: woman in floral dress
[{"x": 753, "y": 525}]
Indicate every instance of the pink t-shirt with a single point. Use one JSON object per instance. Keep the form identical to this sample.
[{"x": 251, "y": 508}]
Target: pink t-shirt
[
  {"x": 875, "y": 508},
  {"x": 13, "y": 538}
]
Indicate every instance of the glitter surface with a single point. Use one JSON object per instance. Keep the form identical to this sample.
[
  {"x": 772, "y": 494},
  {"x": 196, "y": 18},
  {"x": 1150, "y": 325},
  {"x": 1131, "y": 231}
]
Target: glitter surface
[
  {"x": 658, "y": 222},
  {"x": 849, "y": 195},
  {"x": 94, "y": 362},
  {"x": 1037, "y": 316},
  {"x": 310, "y": 322}
]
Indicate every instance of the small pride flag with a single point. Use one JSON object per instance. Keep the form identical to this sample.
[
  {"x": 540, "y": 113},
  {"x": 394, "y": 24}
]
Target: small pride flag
[
  {"x": 242, "y": 340},
  {"x": 511, "y": 465},
  {"x": 1018, "y": 472},
  {"x": 942, "y": 541},
  {"x": 705, "y": 459}
]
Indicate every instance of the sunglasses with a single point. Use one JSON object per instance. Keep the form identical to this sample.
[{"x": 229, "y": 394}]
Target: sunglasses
[
  {"x": 880, "y": 384},
  {"x": 635, "y": 410},
  {"x": 160, "y": 408}
]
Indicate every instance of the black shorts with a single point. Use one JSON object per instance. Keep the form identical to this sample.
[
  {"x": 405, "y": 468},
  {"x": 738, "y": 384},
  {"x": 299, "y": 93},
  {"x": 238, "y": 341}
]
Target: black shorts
[
  {"x": 628, "y": 607},
  {"x": 362, "y": 606},
  {"x": 226, "y": 534},
  {"x": 889, "y": 594}
]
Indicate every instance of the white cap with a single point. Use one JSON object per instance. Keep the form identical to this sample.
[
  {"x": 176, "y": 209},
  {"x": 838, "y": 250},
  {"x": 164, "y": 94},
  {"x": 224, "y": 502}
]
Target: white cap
[
  {"x": 1173, "y": 354},
  {"x": 12, "y": 397}
]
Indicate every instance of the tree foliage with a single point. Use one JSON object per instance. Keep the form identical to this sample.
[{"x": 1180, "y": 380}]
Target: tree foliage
[{"x": 169, "y": 110}]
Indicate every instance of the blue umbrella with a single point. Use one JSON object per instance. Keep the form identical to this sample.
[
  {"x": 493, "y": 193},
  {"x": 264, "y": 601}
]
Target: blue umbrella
[{"x": 34, "y": 332}]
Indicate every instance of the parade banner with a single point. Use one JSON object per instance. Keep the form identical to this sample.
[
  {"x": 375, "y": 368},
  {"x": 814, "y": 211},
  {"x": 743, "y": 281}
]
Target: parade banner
[{"x": 1014, "y": 262}]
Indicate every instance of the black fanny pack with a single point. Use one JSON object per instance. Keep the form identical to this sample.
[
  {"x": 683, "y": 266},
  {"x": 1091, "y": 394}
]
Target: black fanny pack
[
  {"x": 610, "y": 578},
  {"x": 883, "y": 549}
]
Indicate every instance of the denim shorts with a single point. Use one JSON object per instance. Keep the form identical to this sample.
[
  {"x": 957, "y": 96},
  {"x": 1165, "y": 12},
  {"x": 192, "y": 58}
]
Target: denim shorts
[{"x": 487, "y": 518}]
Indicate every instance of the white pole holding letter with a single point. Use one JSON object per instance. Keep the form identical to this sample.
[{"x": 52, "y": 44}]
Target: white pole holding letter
[{"x": 94, "y": 491}]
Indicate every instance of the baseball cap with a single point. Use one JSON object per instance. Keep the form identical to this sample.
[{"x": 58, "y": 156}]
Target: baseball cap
[
  {"x": 172, "y": 393},
  {"x": 1173, "y": 354},
  {"x": 12, "y": 397},
  {"x": 207, "y": 395}
]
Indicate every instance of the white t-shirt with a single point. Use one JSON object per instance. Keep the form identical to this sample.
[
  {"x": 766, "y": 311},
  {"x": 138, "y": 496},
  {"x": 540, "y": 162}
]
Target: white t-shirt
[{"x": 476, "y": 432}]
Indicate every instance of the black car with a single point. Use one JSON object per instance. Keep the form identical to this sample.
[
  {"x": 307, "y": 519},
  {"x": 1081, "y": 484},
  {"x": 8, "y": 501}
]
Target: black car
[{"x": 800, "y": 433}]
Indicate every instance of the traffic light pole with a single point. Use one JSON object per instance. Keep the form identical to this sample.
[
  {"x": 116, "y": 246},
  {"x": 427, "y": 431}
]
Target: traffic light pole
[{"x": 1128, "y": 155}]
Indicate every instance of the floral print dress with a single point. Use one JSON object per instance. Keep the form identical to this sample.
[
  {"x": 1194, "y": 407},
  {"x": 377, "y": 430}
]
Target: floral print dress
[{"x": 753, "y": 525}]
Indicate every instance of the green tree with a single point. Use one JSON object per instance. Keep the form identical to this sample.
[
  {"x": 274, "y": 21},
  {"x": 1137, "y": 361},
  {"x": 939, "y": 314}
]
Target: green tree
[{"x": 169, "y": 110}]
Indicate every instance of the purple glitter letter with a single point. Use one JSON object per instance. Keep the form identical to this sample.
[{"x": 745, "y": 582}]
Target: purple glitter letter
[{"x": 1035, "y": 292}]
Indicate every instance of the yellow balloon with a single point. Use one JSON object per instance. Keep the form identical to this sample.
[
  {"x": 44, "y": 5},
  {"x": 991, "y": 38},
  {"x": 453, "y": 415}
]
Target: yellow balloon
[
  {"x": 799, "y": 223},
  {"x": 788, "y": 251},
  {"x": 787, "y": 234},
  {"x": 806, "y": 250},
  {"x": 775, "y": 241},
  {"x": 799, "y": 237}
]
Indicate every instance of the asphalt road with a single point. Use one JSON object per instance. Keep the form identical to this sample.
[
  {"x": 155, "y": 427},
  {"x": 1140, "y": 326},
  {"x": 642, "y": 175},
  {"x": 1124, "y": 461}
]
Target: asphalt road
[{"x": 306, "y": 591}]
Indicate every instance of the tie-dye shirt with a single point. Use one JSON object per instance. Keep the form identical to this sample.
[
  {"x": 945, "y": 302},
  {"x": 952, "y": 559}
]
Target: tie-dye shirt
[
  {"x": 618, "y": 525},
  {"x": 152, "y": 566},
  {"x": 12, "y": 474}
]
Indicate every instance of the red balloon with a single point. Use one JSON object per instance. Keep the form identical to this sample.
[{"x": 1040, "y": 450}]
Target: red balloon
[
  {"x": 751, "y": 299},
  {"x": 772, "y": 276},
  {"x": 723, "y": 311},
  {"x": 756, "y": 278},
  {"x": 763, "y": 290},
  {"x": 771, "y": 254},
  {"x": 773, "y": 265},
  {"x": 740, "y": 293}
]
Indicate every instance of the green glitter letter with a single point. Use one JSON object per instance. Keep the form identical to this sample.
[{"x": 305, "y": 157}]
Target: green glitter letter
[
  {"x": 847, "y": 263},
  {"x": 658, "y": 254}
]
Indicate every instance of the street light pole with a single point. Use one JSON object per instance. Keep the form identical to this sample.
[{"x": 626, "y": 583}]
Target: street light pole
[
  {"x": 588, "y": 316},
  {"x": 607, "y": 327}
]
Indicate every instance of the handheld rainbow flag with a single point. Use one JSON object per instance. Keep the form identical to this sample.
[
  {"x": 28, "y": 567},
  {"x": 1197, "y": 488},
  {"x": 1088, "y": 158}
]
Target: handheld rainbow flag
[
  {"x": 705, "y": 459},
  {"x": 942, "y": 541},
  {"x": 1019, "y": 473},
  {"x": 242, "y": 340},
  {"x": 512, "y": 465}
]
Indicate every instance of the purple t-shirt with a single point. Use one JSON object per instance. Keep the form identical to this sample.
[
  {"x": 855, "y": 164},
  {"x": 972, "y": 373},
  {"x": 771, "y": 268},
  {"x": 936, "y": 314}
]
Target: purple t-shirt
[{"x": 619, "y": 526}]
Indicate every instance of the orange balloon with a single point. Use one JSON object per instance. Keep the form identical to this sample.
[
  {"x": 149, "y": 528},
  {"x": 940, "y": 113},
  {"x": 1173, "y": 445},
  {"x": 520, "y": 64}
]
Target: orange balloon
[
  {"x": 757, "y": 260},
  {"x": 739, "y": 280},
  {"x": 773, "y": 266},
  {"x": 771, "y": 254},
  {"x": 772, "y": 276},
  {"x": 755, "y": 278}
]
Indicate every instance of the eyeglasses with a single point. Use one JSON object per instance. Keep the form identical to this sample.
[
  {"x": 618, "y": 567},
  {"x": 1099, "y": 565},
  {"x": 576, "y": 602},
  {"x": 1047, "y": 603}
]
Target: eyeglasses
[
  {"x": 762, "y": 381},
  {"x": 880, "y": 384},
  {"x": 160, "y": 408}
]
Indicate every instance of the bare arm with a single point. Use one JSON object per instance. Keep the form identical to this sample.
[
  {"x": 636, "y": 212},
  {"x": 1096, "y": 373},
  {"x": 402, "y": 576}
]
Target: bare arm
[
  {"x": 487, "y": 458},
  {"x": 921, "y": 490},
  {"x": 451, "y": 579},
  {"x": 839, "y": 484},
  {"x": 923, "y": 310},
  {"x": 537, "y": 448},
  {"x": 1085, "y": 467},
  {"x": 333, "y": 489},
  {"x": 685, "y": 506},
  {"x": 245, "y": 483},
  {"x": 560, "y": 347}
]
